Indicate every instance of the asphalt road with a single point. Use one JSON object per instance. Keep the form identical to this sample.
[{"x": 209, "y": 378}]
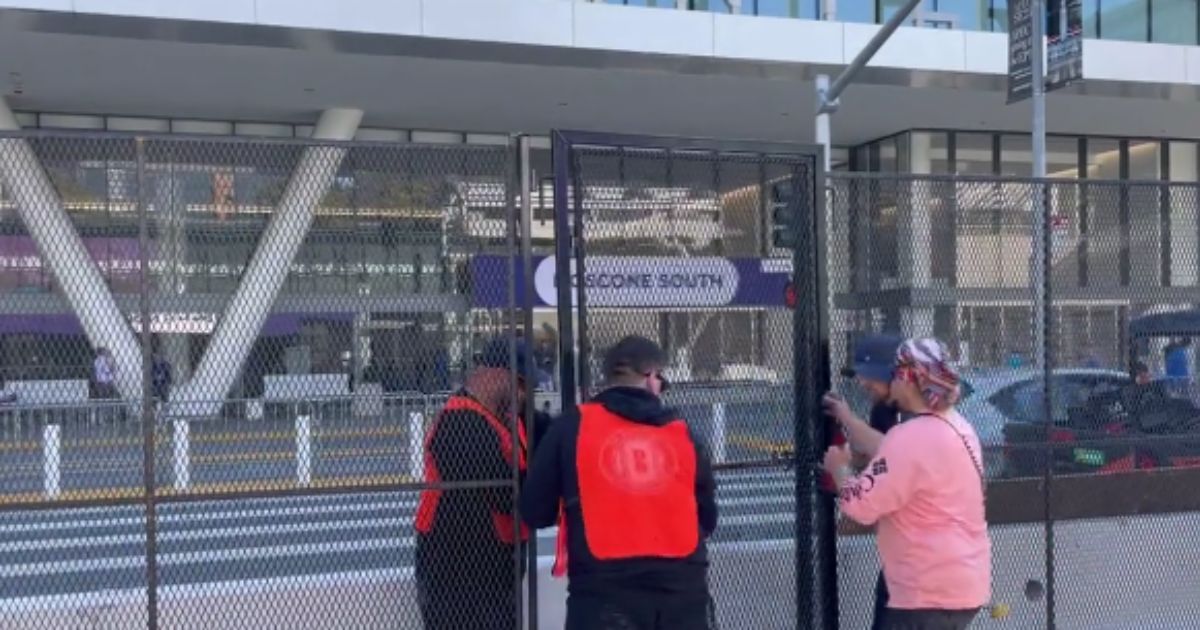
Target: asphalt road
[
  {"x": 102, "y": 455},
  {"x": 79, "y": 553}
]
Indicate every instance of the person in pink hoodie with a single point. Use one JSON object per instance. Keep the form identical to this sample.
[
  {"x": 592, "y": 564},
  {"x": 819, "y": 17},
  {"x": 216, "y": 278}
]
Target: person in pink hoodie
[{"x": 924, "y": 489}]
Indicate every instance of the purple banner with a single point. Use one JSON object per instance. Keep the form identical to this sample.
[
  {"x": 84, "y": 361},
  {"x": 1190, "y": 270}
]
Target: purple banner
[{"x": 643, "y": 282}]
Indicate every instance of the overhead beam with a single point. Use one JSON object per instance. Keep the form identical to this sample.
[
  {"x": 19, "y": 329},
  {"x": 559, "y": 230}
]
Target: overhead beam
[
  {"x": 42, "y": 212},
  {"x": 243, "y": 318}
]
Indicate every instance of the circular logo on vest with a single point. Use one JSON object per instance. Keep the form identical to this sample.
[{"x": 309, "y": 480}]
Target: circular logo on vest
[{"x": 637, "y": 464}]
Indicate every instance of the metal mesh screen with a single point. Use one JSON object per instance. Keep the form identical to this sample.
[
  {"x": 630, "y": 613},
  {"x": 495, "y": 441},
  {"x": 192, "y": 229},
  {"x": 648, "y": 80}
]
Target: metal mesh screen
[
  {"x": 675, "y": 245},
  {"x": 955, "y": 258},
  {"x": 221, "y": 361}
]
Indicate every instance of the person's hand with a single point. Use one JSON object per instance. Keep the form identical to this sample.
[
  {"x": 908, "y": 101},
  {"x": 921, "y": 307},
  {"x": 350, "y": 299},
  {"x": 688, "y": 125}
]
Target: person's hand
[
  {"x": 837, "y": 458},
  {"x": 837, "y": 407}
]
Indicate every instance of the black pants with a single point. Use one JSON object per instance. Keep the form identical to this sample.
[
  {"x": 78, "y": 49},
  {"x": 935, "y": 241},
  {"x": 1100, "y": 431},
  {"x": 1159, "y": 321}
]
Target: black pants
[
  {"x": 629, "y": 610},
  {"x": 465, "y": 588},
  {"x": 881, "y": 602},
  {"x": 897, "y": 619}
]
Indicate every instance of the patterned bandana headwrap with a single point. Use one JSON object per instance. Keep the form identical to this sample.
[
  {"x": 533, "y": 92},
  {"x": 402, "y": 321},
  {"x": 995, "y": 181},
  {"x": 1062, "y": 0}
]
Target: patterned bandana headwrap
[{"x": 926, "y": 364}]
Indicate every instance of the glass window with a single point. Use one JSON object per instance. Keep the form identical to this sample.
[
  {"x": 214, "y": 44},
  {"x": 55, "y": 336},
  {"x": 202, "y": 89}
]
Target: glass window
[
  {"x": 887, "y": 8},
  {"x": 930, "y": 152},
  {"x": 861, "y": 159},
  {"x": 969, "y": 15},
  {"x": 647, "y": 3},
  {"x": 973, "y": 154},
  {"x": 1174, "y": 21},
  {"x": 1183, "y": 162},
  {"x": 806, "y": 9},
  {"x": 1104, "y": 225},
  {"x": 1016, "y": 155},
  {"x": 1062, "y": 157},
  {"x": 1022, "y": 401},
  {"x": 888, "y": 156},
  {"x": 1091, "y": 18},
  {"x": 1144, "y": 160},
  {"x": 856, "y": 11},
  {"x": 1104, "y": 159},
  {"x": 999, "y": 20},
  {"x": 1125, "y": 20}
]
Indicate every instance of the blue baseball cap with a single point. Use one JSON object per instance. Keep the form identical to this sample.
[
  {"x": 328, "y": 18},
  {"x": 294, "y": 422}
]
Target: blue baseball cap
[{"x": 874, "y": 358}]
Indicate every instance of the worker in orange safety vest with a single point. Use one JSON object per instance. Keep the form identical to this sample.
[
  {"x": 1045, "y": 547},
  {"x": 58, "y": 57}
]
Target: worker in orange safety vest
[
  {"x": 466, "y": 537},
  {"x": 632, "y": 490}
]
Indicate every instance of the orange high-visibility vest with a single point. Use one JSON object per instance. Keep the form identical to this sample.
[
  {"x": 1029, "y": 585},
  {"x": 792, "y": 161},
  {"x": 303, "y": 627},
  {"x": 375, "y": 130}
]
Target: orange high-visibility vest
[
  {"x": 427, "y": 508},
  {"x": 637, "y": 487}
]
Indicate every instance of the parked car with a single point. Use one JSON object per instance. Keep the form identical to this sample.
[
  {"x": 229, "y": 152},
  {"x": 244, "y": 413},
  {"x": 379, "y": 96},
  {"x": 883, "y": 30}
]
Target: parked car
[
  {"x": 1006, "y": 408},
  {"x": 1106, "y": 424}
]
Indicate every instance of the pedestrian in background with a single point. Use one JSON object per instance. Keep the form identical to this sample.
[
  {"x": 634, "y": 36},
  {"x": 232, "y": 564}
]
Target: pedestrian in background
[
  {"x": 637, "y": 500},
  {"x": 162, "y": 377},
  {"x": 872, "y": 369},
  {"x": 467, "y": 538},
  {"x": 925, "y": 489},
  {"x": 104, "y": 374}
]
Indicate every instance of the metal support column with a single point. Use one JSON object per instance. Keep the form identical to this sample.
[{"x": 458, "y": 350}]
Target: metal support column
[
  {"x": 264, "y": 277},
  {"x": 77, "y": 274}
]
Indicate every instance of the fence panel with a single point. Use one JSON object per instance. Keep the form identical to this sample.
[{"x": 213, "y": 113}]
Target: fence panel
[
  {"x": 70, "y": 430},
  {"x": 672, "y": 241},
  {"x": 1126, "y": 436},
  {"x": 295, "y": 316},
  {"x": 947, "y": 258},
  {"x": 1087, "y": 461}
]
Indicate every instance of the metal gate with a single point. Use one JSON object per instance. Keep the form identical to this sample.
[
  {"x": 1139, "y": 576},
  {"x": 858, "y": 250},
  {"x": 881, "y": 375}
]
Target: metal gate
[{"x": 712, "y": 249}]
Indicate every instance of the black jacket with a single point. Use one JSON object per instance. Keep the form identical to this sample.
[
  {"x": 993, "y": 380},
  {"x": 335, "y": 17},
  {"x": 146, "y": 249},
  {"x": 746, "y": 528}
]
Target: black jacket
[
  {"x": 553, "y": 477},
  {"x": 466, "y": 448}
]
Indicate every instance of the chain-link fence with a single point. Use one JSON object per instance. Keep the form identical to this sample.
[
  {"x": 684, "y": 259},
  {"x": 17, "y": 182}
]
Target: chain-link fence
[
  {"x": 1087, "y": 524},
  {"x": 232, "y": 372},
  {"x": 229, "y": 372}
]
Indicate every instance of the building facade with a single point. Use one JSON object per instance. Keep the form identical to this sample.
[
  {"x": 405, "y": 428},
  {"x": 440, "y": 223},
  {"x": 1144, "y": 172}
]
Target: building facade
[{"x": 471, "y": 73}]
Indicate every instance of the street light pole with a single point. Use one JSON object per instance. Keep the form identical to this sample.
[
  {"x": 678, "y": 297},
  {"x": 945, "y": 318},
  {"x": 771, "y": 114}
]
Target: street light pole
[
  {"x": 828, "y": 92},
  {"x": 1041, "y": 222}
]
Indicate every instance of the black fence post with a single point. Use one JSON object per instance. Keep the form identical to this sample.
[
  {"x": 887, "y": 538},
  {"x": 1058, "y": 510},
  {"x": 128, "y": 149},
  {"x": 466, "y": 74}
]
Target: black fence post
[
  {"x": 1042, "y": 192},
  {"x": 823, "y": 381},
  {"x": 525, "y": 303},
  {"x": 147, "y": 407},
  {"x": 510, "y": 327},
  {"x": 562, "y": 269}
]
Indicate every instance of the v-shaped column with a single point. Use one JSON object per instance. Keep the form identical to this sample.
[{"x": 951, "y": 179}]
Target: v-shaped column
[
  {"x": 268, "y": 269},
  {"x": 42, "y": 212}
]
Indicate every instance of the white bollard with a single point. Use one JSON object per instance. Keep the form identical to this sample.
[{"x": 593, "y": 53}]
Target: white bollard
[
  {"x": 718, "y": 445},
  {"x": 303, "y": 450},
  {"x": 51, "y": 453},
  {"x": 416, "y": 446},
  {"x": 182, "y": 449}
]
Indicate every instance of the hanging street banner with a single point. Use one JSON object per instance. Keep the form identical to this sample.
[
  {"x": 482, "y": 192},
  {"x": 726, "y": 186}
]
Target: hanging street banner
[
  {"x": 655, "y": 282},
  {"x": 1020, "y": 50},
  {"x": 1064, "y": 50}
]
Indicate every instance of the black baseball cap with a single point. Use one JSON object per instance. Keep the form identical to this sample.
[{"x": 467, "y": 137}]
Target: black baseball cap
[
  {"x": 498, "y": 353},
  {"x": 633, "y": 354},
  {"x": 874, "y": 358}
]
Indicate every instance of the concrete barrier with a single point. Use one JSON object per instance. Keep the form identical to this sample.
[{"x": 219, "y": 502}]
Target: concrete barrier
[{"x": 1118, "y": 574}]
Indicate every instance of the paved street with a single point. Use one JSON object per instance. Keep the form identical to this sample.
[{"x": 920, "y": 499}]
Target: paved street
[
  {"x": 77, "y": 552},
  {"x": 100, "y": 454}
]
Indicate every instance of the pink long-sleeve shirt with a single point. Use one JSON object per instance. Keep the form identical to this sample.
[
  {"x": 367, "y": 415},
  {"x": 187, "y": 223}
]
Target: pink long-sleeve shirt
[{"x": 925, "y": 494}]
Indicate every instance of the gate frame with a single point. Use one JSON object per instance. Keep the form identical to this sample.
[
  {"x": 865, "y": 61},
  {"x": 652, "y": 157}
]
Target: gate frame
[{"x": 815, "y": 574}]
